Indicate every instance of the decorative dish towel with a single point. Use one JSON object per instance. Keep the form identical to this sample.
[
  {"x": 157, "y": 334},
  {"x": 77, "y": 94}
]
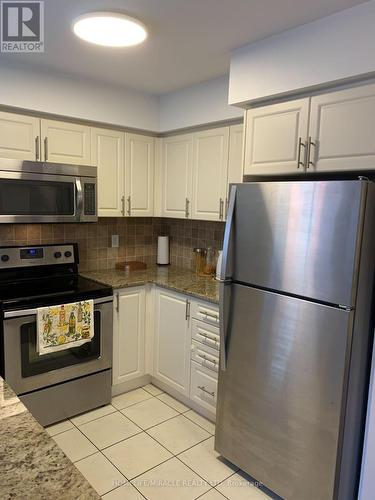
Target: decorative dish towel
[{"x": 65, "y": 326}]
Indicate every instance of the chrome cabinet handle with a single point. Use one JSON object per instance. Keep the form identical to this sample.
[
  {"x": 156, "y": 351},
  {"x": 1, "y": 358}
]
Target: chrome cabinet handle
[
  {"x": 301, "y": 144},
  {"x": 123, "y": 205},
  {"x": 221, "y": 209},
  {"x": 205, "y": 358},
  {"x": 129, "y": 209},
  {"x": 37, "y": 148},
  {"x": 208, "y": 337},
  {"x": 226, "y": 207},
  {"x": 211, "y": 315},
  {"x": 187, "y": 203},
  {"x": 187, "y": 310},
  {"x": 202, "y": 388},
  {"x": 310, "y": 144},
  {"x": 45, "y": 148},
  {"x": 117, "y": 302}
]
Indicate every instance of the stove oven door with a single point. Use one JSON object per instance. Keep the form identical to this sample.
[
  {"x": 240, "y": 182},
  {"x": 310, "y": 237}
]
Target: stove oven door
[{"x": 25, "y": 370}]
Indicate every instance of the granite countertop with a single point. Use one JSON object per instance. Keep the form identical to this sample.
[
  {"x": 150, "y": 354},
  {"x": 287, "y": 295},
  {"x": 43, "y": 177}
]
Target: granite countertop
[
  {"x": 31, "y": 464},
  {"x": 174, "y": 278}
]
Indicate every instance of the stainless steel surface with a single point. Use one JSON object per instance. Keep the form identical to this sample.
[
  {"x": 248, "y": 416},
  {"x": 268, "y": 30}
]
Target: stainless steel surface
[
  {"x": 14, "y": 256},
  {"x": 37, "y": 148},
  {"x": 65, "y": 400},
  {"x": 33, "y": 167},
  {"x": 123, "y": 205},
  {"x": 302, "y": 238},
  {"x": 301, "y": 144},
  {"x": 76, "y": 175},
  {"x": 221, "y": 209},
  {"x": 187, "y": 208},
  {"x": 187, "y": 309},
  {"x": 202, "y": 388},
  {"x": 12, "y": 354},
  {"x": 19, "y": 313},
  {"x": 129, "y": 205},
  {"x": 280, "y": 398},
  {"x": 45, "y": 148}
]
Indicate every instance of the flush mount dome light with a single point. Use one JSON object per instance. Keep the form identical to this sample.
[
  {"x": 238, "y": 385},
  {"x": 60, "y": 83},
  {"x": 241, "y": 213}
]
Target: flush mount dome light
[{"x": 110, "y": 29}]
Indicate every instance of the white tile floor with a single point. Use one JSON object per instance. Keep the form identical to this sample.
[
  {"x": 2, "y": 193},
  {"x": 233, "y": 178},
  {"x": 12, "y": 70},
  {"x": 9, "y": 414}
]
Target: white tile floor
[{"x": 148, "y": 445}]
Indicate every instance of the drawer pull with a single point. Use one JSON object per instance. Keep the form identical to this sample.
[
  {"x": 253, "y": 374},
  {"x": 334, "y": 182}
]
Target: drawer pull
[
  {"x": 208, "y": 337},
  {"x": 202, "y": 388},
  {"x": 205, "y": 358},
  {"x": 211, "y": 315}
]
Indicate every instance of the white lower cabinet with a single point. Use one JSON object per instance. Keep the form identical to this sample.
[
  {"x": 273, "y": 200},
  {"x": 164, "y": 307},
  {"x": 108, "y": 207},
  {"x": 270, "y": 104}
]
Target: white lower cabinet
[
  {"x": 203, "y": 387},
  {"x": 172, "y": 340},
  {"x": 129, "y": 335}
]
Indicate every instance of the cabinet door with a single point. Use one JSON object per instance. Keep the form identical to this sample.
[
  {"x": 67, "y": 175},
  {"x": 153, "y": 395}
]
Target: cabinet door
[
  {"x": 342, "y": 126},
  {"x": 273, "y": 135},
  {"x": 210, "y": 171},
  {"x": 129, "y": 335},
  {"x": 177, "y": 176},
  {"x": 65, "y": 142},
  {"x": 19, "y": 136},
  {"x": 172, "y": 341},
  {"x": 235, "y": 162},
  {"x": 139, "y": 175},
  {"x": 107, "y": 153}
]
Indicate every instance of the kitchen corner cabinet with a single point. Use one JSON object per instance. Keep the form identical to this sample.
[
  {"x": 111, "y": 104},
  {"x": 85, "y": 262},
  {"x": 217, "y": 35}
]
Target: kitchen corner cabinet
[
  {"x": 176, "y": 171},
  {"x": 64, "y": 142},
  {"x": 172, "y": 340},
  {"x": 107, "y": 154},
  {"x": 210, "y": 171},
  {"x": 275, "y": 138},
  {"x": 342, "y": 128},
  {"x": 129, "y": 335},
  {"x": 139, "y": 175},
  {"x": 19, "y": 136}
]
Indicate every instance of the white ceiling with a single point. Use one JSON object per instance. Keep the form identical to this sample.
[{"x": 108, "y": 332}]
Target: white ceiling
[{"x": 189, "y": 42}]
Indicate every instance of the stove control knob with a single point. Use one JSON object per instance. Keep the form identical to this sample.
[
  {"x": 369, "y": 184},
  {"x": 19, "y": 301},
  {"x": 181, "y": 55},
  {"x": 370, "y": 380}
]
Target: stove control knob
[
  {"x": 4, "y": 258},
  {"x": 57, "y": 255},
  {"x": 68, "y": 254}
]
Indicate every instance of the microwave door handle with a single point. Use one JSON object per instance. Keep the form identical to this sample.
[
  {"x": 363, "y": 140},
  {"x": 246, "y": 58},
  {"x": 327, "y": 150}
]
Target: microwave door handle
[
  {"x": 79, "y": 203},
  {"x": 226, "y": 279}
]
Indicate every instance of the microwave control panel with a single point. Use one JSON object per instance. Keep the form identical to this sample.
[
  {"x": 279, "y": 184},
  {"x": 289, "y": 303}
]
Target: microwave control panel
[{"x": 89, "y": 197}]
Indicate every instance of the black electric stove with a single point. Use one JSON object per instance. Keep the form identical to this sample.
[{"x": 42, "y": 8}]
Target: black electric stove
[{"x": 44, "y": 275}]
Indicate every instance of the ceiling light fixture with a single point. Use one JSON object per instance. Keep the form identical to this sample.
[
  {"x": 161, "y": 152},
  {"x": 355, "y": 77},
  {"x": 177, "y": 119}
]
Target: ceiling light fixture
[{"x": 110, "y": 29}]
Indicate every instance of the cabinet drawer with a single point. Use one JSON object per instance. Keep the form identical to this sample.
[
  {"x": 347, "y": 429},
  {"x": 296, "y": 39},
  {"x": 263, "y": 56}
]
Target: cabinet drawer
[
  {"x": 205, "y": 356},
  {"x": 203, "y": 387},
  {"x": 209, "y": 313},
  {"x": 205, "y": 333}
]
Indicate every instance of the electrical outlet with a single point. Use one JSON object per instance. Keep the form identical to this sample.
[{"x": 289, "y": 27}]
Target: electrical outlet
[{"x": 115, "y": 240}]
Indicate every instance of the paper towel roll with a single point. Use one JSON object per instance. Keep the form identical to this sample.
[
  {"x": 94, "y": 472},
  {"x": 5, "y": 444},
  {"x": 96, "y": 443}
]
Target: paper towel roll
[{"x": 163, "y": 250}]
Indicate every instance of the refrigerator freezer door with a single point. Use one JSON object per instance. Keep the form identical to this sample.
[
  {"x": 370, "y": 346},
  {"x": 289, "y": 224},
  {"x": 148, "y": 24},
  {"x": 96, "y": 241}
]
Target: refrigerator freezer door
[
  {"x": 300, "y": 238},
  {"x": 279, "y": 400}
]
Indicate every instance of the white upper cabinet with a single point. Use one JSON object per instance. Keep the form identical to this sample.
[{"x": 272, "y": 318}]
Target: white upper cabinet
[
  {"x": 275, "y": 138},
  {"x": 19, "y": 136},
  {"x": 342, "y": 130},
  {"x": 210, "y": 172},
  {"x": 129, "y": 335},
  {"x": 64, "y": 142},
  {"x": 107, "y": 154},
  {"x": 235, "y": 162},
  {"x": 176, "y": 174},
  {"x": 139, "y": 175},
  {"x": 172, "y": 340}
]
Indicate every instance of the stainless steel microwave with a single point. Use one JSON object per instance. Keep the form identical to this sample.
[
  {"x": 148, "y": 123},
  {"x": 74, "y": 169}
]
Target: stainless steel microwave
[{"x": 47, "y": 192}]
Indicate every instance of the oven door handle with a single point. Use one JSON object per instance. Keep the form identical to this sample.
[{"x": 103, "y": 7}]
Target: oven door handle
[
  {"x": 79, "y": 199},
  {"x": 31, "y": 312}
]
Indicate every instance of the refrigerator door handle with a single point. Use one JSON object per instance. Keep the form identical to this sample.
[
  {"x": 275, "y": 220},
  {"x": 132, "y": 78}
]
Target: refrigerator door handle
[
  {"x": 225, "y": 280},
  {"x": 224, "y": 271}
]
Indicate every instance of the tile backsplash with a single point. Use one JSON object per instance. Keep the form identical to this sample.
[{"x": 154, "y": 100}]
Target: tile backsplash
[{"x": 138, "y": 239}]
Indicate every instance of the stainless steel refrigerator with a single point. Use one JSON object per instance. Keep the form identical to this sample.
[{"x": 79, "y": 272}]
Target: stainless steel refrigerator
[{"x": 296, "y": 304}]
